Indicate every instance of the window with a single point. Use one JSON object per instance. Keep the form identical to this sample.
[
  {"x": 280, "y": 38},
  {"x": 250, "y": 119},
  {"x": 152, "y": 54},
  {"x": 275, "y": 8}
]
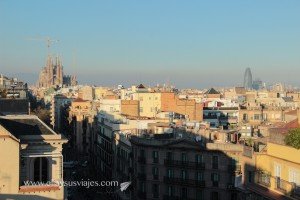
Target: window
[
  {"x": 199, "y": 176},
  {"x": 155, "y": 173},
  {"x": 215, "y": 162},
  {"x": 41, "y": 169},
  {"x": 170, "y": 191},
  {"x": 170, "y": 173},
  {"x": 214, "y": 196},
  {"x": 142, "y": 187},
  {"x": 294, "y": 177},
  {"x": 183, "y": 157},
  {"x": 155, "y": 191},
  {"x": 199, "y": 195},
  {"x": 250, "y": 177},
  {"x": 245, "y": 117},
  {"x": 265, "y": 116},
  {"x": 256, "y": 116},
  {"x": 169, "y": 156},
  {"x": 184, "y": 193},
  {"x": 198, "y": 158},
  {"x": 142, "y": 153},
  {"x": 183, "y": 174},
  {"x": 142, "y": 169},
  {"x": 155, "y": 156},
  {"x": 215, "y": 178},
  {"x": 141, "y": 109},
  {"x": 277, "y": 169}
]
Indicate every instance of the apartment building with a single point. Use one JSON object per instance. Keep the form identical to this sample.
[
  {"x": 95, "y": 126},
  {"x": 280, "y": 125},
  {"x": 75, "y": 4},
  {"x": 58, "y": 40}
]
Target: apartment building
[
  {"x": 58, "y": 111},
  {"x": 184, "y": 168},
  {"x": 259, "y": 114},
  {"x": 81, "y": 117},
  {"x": 189, "y": 108}
]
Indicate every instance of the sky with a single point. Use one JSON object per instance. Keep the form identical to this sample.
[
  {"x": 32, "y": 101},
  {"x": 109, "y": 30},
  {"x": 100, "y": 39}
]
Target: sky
[{"x": 195, "y": 44}]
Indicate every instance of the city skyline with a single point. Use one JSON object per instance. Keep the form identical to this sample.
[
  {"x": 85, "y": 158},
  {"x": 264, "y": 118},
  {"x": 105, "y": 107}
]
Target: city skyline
[{"x": 185, "y": 44}]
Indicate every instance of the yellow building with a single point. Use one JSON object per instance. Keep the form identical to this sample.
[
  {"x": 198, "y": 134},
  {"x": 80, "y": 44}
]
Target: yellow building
[
  {"x": 81, "y": 116},
  {"x": 150, "y": 103},
  {"x": 101, "y": 92},
  {"x": 278, "y": 171}
]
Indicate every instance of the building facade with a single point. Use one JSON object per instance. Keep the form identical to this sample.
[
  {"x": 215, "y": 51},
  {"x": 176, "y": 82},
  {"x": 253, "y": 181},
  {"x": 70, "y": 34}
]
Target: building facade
[{"x": 30, "y": 152}]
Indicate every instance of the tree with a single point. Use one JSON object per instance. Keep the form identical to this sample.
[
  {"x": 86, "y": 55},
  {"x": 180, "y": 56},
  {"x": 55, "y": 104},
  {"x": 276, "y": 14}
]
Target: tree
[
  {"x": 249, "y": 142},
  {"x": 43, "y": 114},
  {"x": 293, "y": 138},
  {"x": 3, "y": 93}
]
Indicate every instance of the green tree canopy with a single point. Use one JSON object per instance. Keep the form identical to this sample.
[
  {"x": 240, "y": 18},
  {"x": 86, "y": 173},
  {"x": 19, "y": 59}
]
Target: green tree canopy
[{"x": 293, "y": 138}]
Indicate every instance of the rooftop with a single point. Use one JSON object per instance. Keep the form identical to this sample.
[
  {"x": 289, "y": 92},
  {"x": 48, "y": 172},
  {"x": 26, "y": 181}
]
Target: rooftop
[
  {"x": 141, "y": 86},
  {"x": 80, "y": 100},
  {"x": 212, "y": 91},
  {"x": 20, "y": 125}
]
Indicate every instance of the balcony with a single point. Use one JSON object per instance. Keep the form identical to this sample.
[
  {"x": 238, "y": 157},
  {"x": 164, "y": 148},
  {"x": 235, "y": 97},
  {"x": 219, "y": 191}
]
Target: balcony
[
  {"x": 184, "y": 164},
  {"x": 263, "y": 179},
  {"x": 142, "y": 195},
  {"x": 142, "y": 160},
  {"x": 184, "y": 182},
  {"x": 155, "y": 177},
  {"x": 215, "y": 184},
  {"x": 234, "y": 168},
  {"x": 281, "y": 185},
  {"x": 155, "y": 160},
  {"x": 296, "y": 192}
]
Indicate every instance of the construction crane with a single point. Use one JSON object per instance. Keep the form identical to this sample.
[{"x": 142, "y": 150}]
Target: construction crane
[{"x": 48, "y": 41}]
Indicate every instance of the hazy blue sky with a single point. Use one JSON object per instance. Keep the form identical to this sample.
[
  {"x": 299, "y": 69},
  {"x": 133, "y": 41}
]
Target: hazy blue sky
[{"x": 190, "y": 43}]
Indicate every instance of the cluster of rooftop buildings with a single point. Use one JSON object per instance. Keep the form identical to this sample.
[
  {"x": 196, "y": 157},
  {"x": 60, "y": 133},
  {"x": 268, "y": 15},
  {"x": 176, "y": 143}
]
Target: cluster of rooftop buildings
[
  {"x": 169, "y": 143},
  {"x": 206, "y": 144}
]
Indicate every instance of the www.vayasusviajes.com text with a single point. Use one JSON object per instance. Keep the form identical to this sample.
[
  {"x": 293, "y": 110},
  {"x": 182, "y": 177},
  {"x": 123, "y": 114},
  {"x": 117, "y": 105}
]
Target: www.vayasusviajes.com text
[{"x": 82, "y": 183}]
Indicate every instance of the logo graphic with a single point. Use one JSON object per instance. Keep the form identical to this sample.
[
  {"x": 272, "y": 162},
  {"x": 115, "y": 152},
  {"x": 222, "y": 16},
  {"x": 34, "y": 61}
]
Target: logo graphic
[{"x": 125, "y": 185}]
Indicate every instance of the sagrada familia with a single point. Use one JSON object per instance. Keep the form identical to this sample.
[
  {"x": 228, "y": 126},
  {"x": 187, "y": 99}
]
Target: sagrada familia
[{"x": 52, "y": 74}]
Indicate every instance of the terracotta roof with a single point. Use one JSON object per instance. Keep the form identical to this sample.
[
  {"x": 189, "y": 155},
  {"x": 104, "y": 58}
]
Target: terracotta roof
[
  {"x": 292, "y": 112},
  {"x": 292, "y": 124},
  {"x": 80, "y": 100}
]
